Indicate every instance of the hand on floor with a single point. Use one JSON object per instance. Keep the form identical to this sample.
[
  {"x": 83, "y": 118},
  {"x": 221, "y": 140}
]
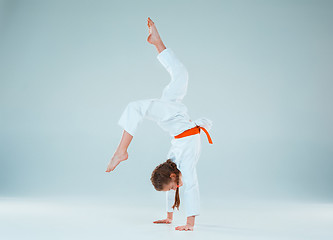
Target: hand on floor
[
  {"x": 167, "y": 221},
  {"x": 186, "y": 227}
]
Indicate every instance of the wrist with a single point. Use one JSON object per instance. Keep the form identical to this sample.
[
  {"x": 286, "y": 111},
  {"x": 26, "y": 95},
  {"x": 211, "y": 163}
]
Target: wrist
[
  {"x": 170, "y": 215},
  {"x": 190, "y": 221}
]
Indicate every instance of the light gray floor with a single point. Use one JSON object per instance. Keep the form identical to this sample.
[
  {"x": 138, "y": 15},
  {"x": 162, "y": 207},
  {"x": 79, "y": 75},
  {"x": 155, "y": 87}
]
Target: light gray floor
[{"x": 77, "y": 218}]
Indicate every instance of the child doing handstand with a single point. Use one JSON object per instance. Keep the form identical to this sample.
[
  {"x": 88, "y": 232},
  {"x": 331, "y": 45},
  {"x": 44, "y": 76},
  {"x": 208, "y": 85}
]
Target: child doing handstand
[{"x": 171, "y": 115}]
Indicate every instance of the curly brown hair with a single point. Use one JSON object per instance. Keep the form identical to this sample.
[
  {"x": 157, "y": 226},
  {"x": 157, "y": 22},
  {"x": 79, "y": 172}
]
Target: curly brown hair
[{"x": 161, "y": 177}]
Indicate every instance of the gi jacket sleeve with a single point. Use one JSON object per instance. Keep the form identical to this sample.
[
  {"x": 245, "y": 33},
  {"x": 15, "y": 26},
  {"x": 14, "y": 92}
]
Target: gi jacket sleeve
[
  {"x": 191, "y": 195},
  {"x": 170, "y": 200}
]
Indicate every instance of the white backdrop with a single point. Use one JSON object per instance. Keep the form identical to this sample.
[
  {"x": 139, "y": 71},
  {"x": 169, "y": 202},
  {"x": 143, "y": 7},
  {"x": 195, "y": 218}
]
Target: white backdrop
[{"x": 260, "y": 70}]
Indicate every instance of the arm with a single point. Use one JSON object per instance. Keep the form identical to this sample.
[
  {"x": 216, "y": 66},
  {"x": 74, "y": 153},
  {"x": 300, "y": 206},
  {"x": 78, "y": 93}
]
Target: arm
[
  {"x": 191, "y": 198},
  {"x": 170, "y": 196}
]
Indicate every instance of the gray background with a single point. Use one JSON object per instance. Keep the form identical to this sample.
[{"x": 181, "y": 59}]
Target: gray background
[{"x": 260, "y": 70}]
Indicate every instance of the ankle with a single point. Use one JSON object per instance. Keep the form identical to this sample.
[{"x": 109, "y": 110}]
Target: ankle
[
  {"x": 120, "y": 151},
  {"x": 160, "y": 46}
]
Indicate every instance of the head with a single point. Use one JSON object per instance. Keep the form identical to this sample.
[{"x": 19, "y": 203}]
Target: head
[{"x": 167, "y": 176}]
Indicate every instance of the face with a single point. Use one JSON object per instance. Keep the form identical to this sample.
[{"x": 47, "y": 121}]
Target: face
[{"x": 173, "y": 183}]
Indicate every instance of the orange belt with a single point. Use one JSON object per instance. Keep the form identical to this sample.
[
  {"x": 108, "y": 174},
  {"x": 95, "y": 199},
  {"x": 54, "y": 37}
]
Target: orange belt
[{"x": 193, "y": 131}]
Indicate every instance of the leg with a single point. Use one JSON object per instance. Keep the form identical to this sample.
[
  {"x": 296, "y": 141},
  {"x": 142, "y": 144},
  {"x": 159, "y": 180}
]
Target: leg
[
  {"x": 129, "y": 121},
  {"x": 121, "y": 152},
  {"x": 177, "y": 88}
]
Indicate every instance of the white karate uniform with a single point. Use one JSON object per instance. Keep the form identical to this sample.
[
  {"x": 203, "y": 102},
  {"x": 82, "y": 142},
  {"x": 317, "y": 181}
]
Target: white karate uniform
[{"x": 171, "y": 115}]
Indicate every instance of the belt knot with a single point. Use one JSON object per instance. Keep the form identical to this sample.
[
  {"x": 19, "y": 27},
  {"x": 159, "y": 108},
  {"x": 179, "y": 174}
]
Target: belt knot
[{"x": 193, "y": 131}]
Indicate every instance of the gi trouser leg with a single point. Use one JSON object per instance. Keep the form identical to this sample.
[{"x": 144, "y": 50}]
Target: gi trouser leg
[
  {"x": 136, "y": 111},
  {"x": 177, "y": 88}
]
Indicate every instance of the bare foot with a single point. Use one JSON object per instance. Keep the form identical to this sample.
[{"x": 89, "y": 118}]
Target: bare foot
[
  {"x": 116, "y": 159},
  {"x": 153, "y": 37}
]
